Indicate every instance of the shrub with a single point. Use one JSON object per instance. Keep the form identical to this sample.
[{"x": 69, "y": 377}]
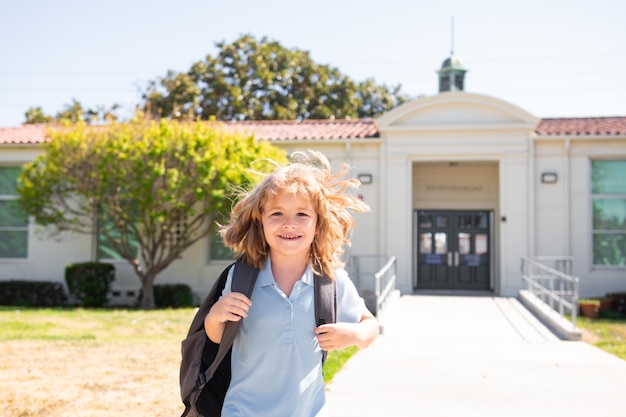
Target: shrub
[
  {"x": 32, "y": 293},
  {"x": 90, "y": 282},
  {"x": 172, "y": 295},
  {"x": 619, "y": 302}
]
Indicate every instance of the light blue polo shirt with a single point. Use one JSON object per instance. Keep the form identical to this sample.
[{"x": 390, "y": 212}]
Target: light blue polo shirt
[{"x": 276, "y": 360}]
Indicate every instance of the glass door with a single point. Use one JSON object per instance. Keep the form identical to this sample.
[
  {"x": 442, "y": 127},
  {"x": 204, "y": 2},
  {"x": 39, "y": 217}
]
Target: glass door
[{"x": 453, "y": 250}]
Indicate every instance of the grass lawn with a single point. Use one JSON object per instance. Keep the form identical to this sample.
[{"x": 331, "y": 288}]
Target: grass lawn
[
  {"x": 104, "y": 363},
  {"x": 97, "y": 363},
  {"x": 607, "y": 332}
]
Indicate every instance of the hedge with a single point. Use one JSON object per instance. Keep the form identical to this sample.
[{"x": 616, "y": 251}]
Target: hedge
[
  {"x": 32, "y": 293},
  {"x": 90, "y": 282}
]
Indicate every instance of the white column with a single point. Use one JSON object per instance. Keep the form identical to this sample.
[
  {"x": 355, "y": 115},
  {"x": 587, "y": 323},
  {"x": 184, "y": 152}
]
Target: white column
[
  {"x": 398, "y": 221},
  {"x": 514, "y": 230}
]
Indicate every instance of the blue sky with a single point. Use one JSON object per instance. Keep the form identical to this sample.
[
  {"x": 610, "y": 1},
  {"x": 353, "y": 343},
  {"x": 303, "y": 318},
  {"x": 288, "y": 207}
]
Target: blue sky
[{"x": 552, "y": 58}]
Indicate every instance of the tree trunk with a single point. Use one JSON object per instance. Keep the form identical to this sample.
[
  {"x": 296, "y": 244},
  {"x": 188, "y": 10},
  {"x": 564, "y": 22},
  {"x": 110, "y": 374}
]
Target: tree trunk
[{"x": 147, "y": 296}]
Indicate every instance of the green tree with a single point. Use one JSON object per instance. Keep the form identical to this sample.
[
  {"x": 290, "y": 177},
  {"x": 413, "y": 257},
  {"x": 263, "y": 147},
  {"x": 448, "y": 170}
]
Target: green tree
[
  {"x": 150, "y": 189},
  {"x": 252, "y": 79},
  {"x": 74, "y": 112},
  {"x": 36, "y": 115}
]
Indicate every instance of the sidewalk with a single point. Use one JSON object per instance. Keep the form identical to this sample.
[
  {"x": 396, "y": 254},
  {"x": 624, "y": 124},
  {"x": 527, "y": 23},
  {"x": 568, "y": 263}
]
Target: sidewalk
[{"x": 449, "y": 356}]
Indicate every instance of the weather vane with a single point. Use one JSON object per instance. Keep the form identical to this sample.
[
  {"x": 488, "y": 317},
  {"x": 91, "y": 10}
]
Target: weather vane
[{"x": 452, "y": 36}]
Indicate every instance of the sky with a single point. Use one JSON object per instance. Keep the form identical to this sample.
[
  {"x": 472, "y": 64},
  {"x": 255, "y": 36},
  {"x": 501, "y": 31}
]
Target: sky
[{"x": 552, "y": 58}]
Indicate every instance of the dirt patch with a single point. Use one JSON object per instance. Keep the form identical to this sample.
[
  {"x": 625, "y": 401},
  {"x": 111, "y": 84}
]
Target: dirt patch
[
  {"x": 61, "y": 379},
  {"x": 589, "y": 337}
]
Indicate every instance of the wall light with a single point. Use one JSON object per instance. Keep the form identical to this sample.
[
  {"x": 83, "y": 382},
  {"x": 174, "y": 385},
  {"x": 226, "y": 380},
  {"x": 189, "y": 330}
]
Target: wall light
[
  {"x": 549, "y": 177},
  {"x": 365, "y": 178}
]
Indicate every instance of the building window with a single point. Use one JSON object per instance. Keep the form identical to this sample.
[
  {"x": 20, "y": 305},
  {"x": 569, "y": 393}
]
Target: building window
[
  {"x": 13, "y": 221},
  {"x": 444, "y": 83},
  {"x": 608, "y": 190},
  {"x": 217, "y": 250},
  {"x": 106, "y": 250}
]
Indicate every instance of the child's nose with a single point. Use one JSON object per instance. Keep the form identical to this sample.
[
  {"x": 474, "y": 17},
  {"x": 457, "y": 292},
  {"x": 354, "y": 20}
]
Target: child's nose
[{"x": 290, "y": 222}]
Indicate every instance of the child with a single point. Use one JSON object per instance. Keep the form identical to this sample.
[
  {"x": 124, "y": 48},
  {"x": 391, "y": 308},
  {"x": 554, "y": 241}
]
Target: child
[{"x": 291, "y": 226}]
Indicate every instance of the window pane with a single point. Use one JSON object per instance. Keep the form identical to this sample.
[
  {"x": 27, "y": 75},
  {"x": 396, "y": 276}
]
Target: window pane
[
  {"x": 481, "y": 221},
  {"x": 607, "y": 177},
  {"x": 609, "y": 214},
  {"x": 609, "y": 249},
  {"x": 464, "y": 243},
  {"x": 465, "y": 222},
  {"x": 480, "y": 241},
  {"x": 441, "y": 243},
  {"x": 11, "y": 215},
  {"x": 13, "y": 243},
  {"x": 425, "y": 221},
  {"x": 217, "y": 249},
  {"x": 441, "y": 222},
  {"x": 458, "y": 83},
  {"x": 426, "y": 245},
  {"x": 106, "y": 250},
  {"x": 444, "y": 83},
  {"x": 8, "y": 180}
]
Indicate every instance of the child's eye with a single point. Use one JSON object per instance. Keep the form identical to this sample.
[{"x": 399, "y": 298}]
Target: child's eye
[
  {"x": 277, "y": 213},
  {"x": 303, "y": 214}
]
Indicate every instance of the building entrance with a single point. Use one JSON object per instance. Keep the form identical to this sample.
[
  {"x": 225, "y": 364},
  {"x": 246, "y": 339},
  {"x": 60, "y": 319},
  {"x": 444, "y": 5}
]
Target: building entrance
[{"x": 454, "y": 249}]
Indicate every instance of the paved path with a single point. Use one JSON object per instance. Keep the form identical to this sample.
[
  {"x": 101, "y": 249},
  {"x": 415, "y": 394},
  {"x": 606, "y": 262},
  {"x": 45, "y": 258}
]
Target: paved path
[{"x": 449, "y": 356}]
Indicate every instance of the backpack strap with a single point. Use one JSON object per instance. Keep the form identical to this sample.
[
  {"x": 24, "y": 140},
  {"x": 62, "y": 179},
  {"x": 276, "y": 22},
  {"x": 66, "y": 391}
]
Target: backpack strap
[
  {"x": 325, "y": 302},
  {"x": 244, "y": 278},
  {"x": 192, "y": 378}
]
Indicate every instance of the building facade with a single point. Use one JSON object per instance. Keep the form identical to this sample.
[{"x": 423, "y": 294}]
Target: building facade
[{"x": 461, "y": 186}]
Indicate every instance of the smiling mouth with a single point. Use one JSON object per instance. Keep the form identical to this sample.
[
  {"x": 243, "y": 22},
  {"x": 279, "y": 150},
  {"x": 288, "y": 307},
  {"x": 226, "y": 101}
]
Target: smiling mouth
[{"x": 288, "y": 237}]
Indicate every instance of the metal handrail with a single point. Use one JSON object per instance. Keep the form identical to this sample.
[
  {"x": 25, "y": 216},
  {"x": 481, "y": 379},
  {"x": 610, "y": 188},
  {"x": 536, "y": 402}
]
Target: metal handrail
[
  {"x": 563, "y": 264},
  {"x": 556, "y": 289},
  {"x": 385, "y": 283}
]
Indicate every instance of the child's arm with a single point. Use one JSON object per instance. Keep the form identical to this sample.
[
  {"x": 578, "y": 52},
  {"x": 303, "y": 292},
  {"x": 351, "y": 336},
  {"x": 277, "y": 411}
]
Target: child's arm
[
  {"x": 233, "y": 306},
  {"x": 341, "y": 335}
]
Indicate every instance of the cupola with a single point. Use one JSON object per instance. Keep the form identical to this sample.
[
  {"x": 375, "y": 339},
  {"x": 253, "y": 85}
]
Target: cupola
[{"x": 451, "y": 75}]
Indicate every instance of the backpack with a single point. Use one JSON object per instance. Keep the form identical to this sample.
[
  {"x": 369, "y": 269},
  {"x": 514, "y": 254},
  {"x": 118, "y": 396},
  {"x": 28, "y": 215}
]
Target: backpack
[{"x": 205, "y": 365}]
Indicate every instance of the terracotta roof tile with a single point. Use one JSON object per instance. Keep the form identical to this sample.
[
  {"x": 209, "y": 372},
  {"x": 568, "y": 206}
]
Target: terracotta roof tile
[
  {"x": 307, "y": 129},
  {"x": 323, "y": 130},
  {"x": 582, "y": 126},
  {"x": 25, "y": 134},
  {"x": 263, "y": 129}
]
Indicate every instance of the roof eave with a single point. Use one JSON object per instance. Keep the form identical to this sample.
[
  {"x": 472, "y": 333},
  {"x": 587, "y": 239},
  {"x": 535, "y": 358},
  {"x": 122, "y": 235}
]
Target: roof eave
[{"x": 574, "y": 136}]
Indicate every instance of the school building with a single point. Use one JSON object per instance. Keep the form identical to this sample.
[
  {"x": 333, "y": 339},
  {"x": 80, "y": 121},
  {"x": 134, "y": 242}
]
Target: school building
[{"x": 461, "y": 186}]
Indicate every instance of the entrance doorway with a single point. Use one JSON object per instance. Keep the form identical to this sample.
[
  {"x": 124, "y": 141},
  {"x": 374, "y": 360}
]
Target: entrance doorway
[{"x": 454, "y": 249}]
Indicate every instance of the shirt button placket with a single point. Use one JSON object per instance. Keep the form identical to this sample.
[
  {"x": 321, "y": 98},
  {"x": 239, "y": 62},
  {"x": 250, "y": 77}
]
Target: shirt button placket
[{"x": 287, "y": 337}]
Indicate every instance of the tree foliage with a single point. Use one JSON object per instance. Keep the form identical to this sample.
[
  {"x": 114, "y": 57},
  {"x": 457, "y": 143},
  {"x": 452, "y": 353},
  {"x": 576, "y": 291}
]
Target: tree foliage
[
  {"x": 36, "y": 115},
  {"x": 73, "y": 113},
  {"x": 160, "y": 184},
  {"x": 252, "y": 79}
]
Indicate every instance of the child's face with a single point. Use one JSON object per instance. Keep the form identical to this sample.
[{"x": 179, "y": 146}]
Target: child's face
[{"x": 289, "y": 225}]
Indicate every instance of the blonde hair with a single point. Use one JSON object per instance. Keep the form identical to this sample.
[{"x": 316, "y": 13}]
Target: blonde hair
[{"x": 308, "y": 175}]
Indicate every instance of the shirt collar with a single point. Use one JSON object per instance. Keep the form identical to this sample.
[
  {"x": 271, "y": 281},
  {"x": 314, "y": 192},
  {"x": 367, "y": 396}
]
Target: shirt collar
[{"x": 266, "y": 277}]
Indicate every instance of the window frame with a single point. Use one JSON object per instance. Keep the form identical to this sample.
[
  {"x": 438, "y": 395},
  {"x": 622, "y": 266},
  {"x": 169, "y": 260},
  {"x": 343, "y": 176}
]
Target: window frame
[
  {"x": 101, "y": 246},
  {"x": 25, "y": 228},
  {"x": 212, "y": 238},
  {"x": 596, "y": 196}
]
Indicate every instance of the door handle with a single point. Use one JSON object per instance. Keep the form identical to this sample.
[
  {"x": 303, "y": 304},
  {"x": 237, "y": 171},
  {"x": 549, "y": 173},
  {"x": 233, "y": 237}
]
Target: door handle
[
  {"x": 449, "y": 258},
  {"x": 456, "y": 259}
]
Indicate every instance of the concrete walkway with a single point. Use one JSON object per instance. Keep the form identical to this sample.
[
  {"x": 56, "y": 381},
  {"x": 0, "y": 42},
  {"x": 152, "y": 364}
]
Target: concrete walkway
[{"x": 449, "y": 356}]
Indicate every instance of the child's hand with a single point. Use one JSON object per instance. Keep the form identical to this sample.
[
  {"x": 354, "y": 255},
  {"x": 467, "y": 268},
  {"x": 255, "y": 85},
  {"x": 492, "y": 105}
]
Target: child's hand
[
  {"x": 337, "y": 336},
  {"x": 231, "y": 307},
  {"x": 341, "y": 335}
]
